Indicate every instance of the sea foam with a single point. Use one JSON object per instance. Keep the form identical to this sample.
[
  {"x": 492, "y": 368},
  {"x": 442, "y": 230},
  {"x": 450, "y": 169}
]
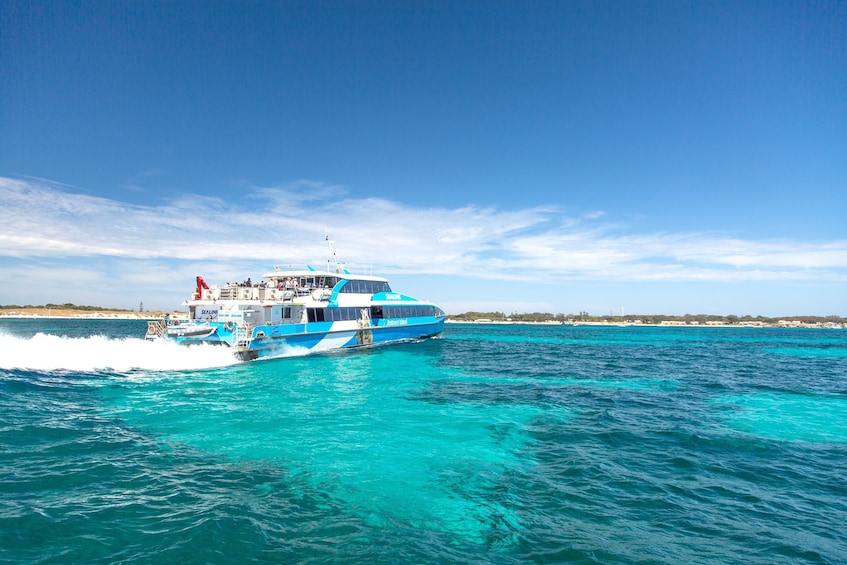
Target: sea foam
[{"x": 43, "y": 352}]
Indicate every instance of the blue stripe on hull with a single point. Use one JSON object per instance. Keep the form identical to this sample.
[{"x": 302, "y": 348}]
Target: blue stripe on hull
[
  {"x": 383, "y": 333},
  {"x": 326, "y": 339},
  {"x": 293, "y": 339}
]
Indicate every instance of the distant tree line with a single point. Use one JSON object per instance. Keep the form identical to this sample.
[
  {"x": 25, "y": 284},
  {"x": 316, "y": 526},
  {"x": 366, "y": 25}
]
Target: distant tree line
[
  {"x": 66, "y": 306},
  {"x": 501, "y": 317},
  {"x": 729, "y": 319}
]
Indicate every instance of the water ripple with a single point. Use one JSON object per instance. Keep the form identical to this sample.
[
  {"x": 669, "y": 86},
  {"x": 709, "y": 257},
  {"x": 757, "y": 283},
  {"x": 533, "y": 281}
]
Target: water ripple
[{"x": 506, "y": 444}]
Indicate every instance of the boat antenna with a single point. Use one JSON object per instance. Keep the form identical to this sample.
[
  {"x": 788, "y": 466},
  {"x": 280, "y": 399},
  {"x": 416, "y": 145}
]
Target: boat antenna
[{"x": 338, "y": 266}]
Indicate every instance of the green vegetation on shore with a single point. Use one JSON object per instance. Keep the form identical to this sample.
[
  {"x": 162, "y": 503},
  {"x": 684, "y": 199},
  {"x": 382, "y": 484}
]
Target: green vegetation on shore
[
  {"x": 690, "y": 319},
  {"x": 73, "y": 310},
  {"x": 66, "y": 306}
]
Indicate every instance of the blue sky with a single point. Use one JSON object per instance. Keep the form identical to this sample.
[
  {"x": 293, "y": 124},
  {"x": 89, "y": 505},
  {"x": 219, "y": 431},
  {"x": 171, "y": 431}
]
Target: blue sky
[{"x": 661, "y": 157}]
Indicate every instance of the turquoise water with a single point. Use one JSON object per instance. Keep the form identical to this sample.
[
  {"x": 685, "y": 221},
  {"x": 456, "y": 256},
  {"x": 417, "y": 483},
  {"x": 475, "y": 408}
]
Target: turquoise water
[{"x": 490, "y": 444}]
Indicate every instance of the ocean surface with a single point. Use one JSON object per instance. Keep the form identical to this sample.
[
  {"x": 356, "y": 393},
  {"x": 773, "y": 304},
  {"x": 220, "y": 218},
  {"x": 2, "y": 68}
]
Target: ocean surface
[{"x": 489, "y": 444}]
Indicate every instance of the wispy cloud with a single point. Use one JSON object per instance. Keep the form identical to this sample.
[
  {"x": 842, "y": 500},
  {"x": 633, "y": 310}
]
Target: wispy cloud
[{"x": 287, "y": 224}]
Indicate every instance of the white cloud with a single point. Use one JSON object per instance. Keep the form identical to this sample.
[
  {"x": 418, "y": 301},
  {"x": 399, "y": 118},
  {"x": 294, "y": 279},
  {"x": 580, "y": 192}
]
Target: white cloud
[{"x": 265, "y": 225}]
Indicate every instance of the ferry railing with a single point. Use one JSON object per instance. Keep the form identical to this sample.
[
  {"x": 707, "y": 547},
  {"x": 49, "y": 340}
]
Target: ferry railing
[
  {"x": 241, "y": 335},
  {"x": 229, "y": 293},
  {"x": 155, "y": 328}
]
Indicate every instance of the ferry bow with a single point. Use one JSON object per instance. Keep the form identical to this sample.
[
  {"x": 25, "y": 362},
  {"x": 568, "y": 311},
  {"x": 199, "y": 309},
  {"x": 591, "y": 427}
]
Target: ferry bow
[{"x": 306, "y": 309}]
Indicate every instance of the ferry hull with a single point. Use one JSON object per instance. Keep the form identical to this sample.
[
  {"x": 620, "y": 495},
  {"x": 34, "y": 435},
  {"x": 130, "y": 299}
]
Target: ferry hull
[
  {"x": 286, "y": 345},
  {"x": 300, "y": 339}
]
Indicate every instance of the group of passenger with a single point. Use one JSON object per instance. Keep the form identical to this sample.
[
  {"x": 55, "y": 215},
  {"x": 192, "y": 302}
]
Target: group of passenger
[
  {"x": 247, "y": 283},
  {"x": 288, "y": 284},
  {"x": 291, "y": 283}
]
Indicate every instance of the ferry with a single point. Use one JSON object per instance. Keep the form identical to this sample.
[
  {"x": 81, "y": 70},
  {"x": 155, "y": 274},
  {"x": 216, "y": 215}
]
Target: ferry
[{"x": 299, "y": 310}]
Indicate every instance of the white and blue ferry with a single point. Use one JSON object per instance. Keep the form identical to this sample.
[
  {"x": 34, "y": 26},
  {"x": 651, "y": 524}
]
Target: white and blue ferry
[{"x": 304, "y": 309}]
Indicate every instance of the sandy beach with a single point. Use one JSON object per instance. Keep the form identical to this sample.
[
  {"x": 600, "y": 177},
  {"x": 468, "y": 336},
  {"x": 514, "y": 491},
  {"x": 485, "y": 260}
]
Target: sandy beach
[{"x": 83, "y": 314}]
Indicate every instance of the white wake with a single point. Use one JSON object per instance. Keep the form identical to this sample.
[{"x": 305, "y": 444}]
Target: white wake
[{"x": 43, "y": 352}]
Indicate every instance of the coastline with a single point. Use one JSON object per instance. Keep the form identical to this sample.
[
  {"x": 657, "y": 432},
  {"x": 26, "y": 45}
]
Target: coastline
[
  {"x": 54, "y": 313},
  {"x": 66, "y": 314},
  {"x": 787, "y": 324}
]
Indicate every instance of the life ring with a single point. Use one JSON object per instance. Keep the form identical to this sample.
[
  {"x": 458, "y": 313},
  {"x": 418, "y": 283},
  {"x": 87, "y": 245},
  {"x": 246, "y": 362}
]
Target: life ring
[{"x": 229, "y": 325}]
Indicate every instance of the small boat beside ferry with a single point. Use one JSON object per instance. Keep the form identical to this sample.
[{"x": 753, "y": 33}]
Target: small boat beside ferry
[{"x": 299, "y": 308}]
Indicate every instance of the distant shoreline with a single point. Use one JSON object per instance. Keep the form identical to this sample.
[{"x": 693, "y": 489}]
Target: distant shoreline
[
  {"x": 744, "y": 325},
  {"x": 62, "y": 313},
  {"x": 73, "y": 314}
]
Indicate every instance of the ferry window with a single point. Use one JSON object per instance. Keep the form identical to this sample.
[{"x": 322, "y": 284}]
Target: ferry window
[
  {"x": 365, "y": 287},
  {"x": 286, "y": 312},
  {"x": 341, "y": 314},
  {"x": 410, "y": 311},
  {"x": 376, "y": 312},
  {"x": 328, "y": 282}
]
